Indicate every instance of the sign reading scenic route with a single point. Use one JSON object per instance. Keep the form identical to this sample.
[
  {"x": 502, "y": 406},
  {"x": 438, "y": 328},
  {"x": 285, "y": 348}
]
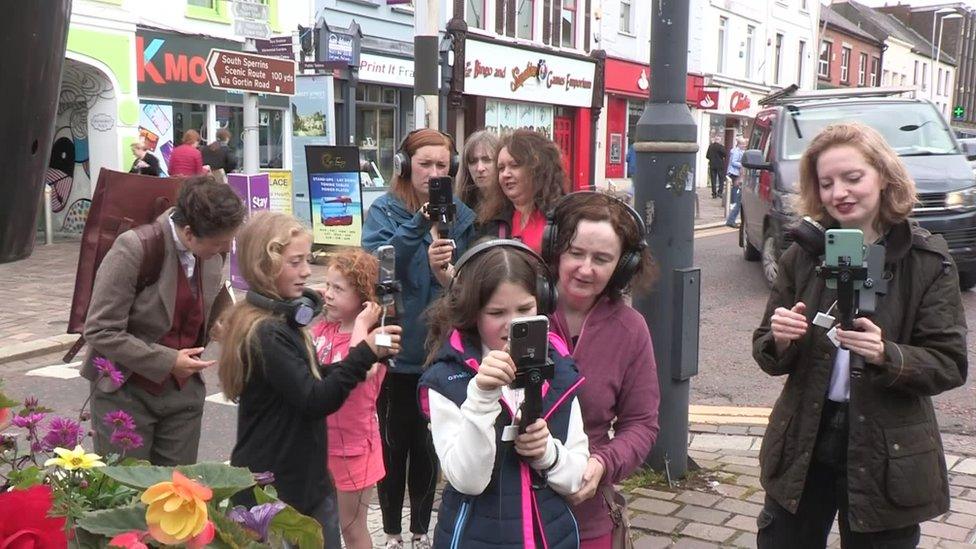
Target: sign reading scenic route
[{"x": 247, "y": 72}]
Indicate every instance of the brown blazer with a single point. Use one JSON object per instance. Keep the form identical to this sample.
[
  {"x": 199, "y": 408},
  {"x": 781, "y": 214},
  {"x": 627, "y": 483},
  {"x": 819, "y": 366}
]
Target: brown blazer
[{"x": 124, "y": 326}]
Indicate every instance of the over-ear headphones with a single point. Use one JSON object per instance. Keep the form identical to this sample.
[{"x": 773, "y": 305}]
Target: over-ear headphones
[
  {"x": 809, "y": 235},
  {"x": 298, "y": 312},
  {"x": 630, "y": 259},
  {"x": 401, "y": 160},
  {"x": 545, "y": 288}
]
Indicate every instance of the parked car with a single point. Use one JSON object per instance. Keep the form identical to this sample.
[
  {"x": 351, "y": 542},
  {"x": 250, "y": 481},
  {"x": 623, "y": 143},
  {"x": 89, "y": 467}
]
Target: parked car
[{"x": 943, "y": 175}]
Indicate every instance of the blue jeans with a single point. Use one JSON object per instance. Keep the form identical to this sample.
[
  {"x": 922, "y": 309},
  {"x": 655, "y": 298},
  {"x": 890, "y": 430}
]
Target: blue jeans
[{"x": 735, "y": 198}]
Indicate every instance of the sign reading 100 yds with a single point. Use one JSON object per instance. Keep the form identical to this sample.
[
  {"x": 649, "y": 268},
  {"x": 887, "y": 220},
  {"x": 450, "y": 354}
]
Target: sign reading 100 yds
[{"x": 247, "y": 72}]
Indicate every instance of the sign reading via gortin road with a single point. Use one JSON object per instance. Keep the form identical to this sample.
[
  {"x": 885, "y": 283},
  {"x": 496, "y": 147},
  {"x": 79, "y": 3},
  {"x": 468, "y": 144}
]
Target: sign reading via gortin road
[{"x": 247, "y": 72}]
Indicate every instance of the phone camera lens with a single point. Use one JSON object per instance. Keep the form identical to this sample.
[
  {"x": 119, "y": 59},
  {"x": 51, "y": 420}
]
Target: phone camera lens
[{"x": 521, "y": 330}]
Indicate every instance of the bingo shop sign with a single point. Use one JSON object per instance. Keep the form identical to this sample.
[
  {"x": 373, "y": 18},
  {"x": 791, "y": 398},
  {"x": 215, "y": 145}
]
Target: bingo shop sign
[{"x": 335, "y": 194}]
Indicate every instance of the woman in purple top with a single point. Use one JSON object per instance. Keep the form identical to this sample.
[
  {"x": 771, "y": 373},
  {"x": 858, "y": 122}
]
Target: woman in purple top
[{"x": 596, "y": 244}]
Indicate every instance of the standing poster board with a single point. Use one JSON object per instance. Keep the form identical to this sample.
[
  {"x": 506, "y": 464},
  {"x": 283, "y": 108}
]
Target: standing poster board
[
  {"x": 254, "y": 190},
  {"x": 335, "y": 194}
]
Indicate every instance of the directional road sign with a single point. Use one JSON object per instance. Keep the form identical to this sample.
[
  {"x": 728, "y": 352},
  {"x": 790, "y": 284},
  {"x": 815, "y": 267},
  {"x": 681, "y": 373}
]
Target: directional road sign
[{"x": 247, "y": 72}]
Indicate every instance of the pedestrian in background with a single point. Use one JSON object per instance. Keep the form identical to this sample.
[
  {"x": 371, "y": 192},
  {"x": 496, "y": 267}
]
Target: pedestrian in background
[
  {"x": 530, "y": 179},
  {"x": 186, "y": 159},
  {"x": 864, "y": 446},
  {"x": 145, "y": 163},
  {"x": 735, "y": 181},
  {"x": 716, "y": 156},
  {"x": 477, "y": 173},
  {"x": 268, "y": 366},
  {"x": 596, "y": 245},
  {"x": 219, "y": 157},
  {"x": 155, "y": 335},
  {"x": 423, "y": 266}
]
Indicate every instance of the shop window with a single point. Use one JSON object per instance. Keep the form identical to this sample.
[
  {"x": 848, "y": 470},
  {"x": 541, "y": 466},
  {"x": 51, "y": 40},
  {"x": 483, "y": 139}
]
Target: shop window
[
  {"x": 208, "y": 10},
  {"x": 271, "y": 150},
  {"x": 232, "y": 119},
  {"x": 376, "y": 125},
  {"x": 503, "y": 117},
  {"x": 567, "y": 25},
  {"x": 189, "y": 116},
  {"x": 474, "y": 13}
]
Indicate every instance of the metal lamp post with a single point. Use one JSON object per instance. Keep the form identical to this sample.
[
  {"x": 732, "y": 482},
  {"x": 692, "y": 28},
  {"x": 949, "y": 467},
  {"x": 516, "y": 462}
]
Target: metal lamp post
[
  {"x": 935, "y": 53},
  {"x": 938, "y": 44}
]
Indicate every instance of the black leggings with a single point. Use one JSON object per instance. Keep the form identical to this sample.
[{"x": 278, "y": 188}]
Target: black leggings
[{"x": 407, "y": 444}]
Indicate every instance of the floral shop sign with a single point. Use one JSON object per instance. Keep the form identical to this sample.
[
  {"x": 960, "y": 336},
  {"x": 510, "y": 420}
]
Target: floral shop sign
[{"x": 493, "y": 70}]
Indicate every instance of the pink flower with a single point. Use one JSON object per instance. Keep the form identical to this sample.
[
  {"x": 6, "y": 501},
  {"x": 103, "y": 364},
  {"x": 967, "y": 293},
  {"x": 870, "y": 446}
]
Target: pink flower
[
  {"x": 119, "y": 420},
  {"x": 107, "y": 369},
  {"x": 129, "y": 540},
  {"x": 63, "y": 433},
  {"x": 28, "y": 421},
  {"x": 126, "y": 440},
  {"x": 203, "y": 538}
]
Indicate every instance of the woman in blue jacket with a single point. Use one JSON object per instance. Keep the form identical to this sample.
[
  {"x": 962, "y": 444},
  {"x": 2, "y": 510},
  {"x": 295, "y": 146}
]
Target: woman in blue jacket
[{"x": 423, "y": 268}]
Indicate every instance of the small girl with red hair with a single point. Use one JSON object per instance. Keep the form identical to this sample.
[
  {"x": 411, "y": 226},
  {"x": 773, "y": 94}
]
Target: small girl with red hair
[{"x": 355, "y": 452}]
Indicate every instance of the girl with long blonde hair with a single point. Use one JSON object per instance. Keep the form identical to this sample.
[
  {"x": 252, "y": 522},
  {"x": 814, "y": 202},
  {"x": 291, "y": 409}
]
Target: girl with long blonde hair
[{"x": 268, "y": 366}]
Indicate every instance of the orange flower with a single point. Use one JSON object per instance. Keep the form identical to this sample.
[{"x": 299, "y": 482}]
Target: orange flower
[{"x": 177, "y": 510}]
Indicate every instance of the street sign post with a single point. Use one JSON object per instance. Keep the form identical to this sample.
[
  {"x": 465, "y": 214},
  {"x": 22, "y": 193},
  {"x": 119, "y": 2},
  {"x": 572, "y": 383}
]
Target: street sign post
[
  {"x": 251, "y": 10},
  {"x": 251, "y": 29},
  {"x": 247, "y": 72}
]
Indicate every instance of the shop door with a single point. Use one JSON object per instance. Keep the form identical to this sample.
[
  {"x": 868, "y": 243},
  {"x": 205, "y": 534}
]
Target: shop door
[
  {"x": 616, "y": 139},
  {"x": 562, "y": 129}
]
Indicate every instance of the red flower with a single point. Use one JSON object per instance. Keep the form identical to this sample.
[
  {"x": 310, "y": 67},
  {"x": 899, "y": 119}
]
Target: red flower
[
  {"x": 203, "y": 538},
  {"x": 130, "y": 540},
  {"x": 4, "y": 418},
  {"x": 24, "y": 523}
]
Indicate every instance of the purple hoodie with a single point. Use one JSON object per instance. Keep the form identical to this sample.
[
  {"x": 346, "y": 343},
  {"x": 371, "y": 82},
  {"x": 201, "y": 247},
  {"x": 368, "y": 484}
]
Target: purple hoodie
[{"x": 615, "y": 354}]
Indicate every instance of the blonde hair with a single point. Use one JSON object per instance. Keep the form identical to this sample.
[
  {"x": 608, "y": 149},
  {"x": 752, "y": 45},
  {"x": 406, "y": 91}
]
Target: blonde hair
[
  {"x": 897, "y": 187},
  {"x": 259, "y": 247}
]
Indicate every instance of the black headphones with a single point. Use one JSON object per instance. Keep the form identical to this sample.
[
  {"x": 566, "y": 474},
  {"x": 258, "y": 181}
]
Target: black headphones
[
  {"x": 298, "y": 312},
  {"x": 809, "y": 235},
  {"x": 545, "y": 289},
  {"x": 629, "y": 260},
  {"x": 401, "y": 160}
]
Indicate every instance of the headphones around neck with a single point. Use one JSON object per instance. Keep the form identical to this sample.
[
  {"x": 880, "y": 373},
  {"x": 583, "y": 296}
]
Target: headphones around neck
[
  {"x": 298, "y": 312},
  {"x": 401, "y": 160},
  {"x": 545, "y": 288},
  {"x": 630, "y": 259}
]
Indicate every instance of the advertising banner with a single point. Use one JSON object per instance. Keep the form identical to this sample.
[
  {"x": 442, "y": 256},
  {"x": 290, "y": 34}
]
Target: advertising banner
[
  {"x": 254, "y": 190},
  {"x": 280, "y": 191},
  {"x": 335, "y": 195},
  {"x": 156, "y": 131}
]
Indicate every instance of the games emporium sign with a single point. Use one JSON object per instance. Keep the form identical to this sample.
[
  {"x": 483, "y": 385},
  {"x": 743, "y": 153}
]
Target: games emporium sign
[{"x": 492, "y": 70}]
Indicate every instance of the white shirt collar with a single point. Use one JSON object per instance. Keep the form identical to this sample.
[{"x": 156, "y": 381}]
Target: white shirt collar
[{"x": 187, "y": 259}]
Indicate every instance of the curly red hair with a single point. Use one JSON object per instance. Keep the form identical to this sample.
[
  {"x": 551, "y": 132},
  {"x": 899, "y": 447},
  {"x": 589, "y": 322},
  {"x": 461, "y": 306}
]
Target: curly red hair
[{"x": 361, "y": 269}]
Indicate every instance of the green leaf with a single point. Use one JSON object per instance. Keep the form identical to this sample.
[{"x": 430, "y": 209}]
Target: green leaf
[
  {"x": 26, "y": 478},
  {"x": 6, "y": 402},
  {"x": 224, "y": 480},
  {"x": 292, "y": 525},
  {"x": 112, "y": 522}
]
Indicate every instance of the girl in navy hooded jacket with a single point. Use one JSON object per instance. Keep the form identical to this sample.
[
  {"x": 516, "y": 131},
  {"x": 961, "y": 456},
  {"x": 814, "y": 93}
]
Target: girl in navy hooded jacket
[
  {"x": 500, "y": 494},
  {"x": 423, "y": 267}
]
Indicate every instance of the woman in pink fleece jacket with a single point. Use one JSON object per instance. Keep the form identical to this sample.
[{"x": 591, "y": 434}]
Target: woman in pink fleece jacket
[{"x": 596, "y": 244}]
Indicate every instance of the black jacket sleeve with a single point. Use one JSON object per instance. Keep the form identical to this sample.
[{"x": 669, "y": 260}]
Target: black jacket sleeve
[
  {"x": 153, "y": 162},
  {"x": 285, "y": 363}
]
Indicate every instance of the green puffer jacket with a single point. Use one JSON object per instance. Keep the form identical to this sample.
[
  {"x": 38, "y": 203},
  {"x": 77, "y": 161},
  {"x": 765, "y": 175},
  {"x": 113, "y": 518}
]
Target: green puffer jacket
[{"x": 896, "y": 469}]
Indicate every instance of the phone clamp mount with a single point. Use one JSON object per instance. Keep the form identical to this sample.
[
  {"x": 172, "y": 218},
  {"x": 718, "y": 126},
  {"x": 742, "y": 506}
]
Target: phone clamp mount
[
  {"x": 387, "y": 292},
  {"x": 443, "y": 216},
  {"x": 854, "y": 300},
  {"x": 531, "y": 377}
]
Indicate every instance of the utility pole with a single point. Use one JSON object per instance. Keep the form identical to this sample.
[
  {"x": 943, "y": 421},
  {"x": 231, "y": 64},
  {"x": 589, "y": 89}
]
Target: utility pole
[
  {"x": 664, "y": 194},
  {"x": 251, "y": 151},
  {"x": 426, "y": 63}
]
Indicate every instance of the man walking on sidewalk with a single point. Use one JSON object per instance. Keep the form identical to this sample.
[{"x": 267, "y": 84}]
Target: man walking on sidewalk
[
  {"x": 735, "y": 185},
  {"x": 716, "y": 165}
]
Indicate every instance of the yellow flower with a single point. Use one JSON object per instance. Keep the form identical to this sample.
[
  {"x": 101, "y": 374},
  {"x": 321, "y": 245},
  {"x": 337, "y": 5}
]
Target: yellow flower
[
  {"x": 74, "y": 459},
  {"x": 177, "y": 510}
]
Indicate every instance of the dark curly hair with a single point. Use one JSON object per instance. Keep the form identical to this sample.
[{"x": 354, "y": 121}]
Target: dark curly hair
[
  {"x": 541, "y": 158},
  {"x": 209, "y": 208}
]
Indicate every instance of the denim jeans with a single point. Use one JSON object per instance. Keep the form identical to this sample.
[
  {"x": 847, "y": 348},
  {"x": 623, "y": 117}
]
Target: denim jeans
[{"x": 735, "y": 198}]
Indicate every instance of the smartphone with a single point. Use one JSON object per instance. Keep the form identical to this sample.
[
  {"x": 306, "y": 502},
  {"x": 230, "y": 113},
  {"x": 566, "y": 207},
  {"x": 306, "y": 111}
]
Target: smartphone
[
  {"x": 387, "y": 258},
  {"x": 844, "y": 247},
  {"x": 441, "y": 193},
  {"x": 528, "y": 341}
]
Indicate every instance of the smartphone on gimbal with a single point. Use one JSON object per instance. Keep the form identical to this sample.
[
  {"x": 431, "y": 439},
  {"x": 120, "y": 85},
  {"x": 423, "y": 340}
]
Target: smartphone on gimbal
[
  {"x": 844, "y": 248},
  {"x": 528, "y": 345}
]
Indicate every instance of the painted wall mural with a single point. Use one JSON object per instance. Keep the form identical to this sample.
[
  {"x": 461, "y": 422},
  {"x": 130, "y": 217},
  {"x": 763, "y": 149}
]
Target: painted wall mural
[{"x": 84, "y": 96}]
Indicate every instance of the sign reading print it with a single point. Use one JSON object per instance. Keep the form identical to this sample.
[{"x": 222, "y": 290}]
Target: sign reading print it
[
  {"x": 504, "y": 72},
  {"x": 335, "y": 195},
  {"x": 254, "y": 190}
]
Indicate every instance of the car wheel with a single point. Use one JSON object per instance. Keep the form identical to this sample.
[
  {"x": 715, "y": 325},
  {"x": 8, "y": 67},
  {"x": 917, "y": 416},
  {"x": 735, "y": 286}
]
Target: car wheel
[
  {"x": 966, "y": 280},
  {"x": 770, "y": 257},
  {"x": 749, "y": 252}
]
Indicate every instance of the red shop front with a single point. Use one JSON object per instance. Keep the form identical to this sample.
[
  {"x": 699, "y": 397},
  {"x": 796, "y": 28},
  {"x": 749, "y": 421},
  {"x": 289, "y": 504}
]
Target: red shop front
[
  {"x": 628, "y": 87},
  {"x": 507, "y": 88}
]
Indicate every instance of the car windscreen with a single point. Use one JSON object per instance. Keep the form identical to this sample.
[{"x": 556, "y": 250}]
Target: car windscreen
[{"x": 910, "y": 128}]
